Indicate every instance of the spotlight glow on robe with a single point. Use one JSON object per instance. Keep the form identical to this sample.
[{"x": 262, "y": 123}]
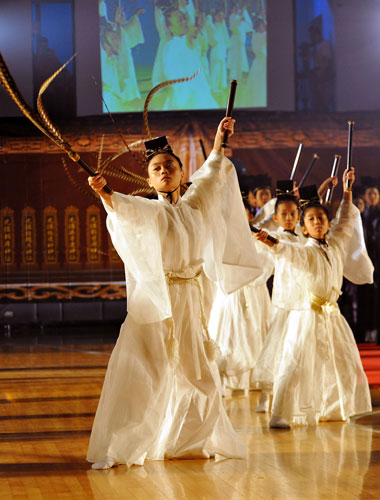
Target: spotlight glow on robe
[{"x": 145, "y": 42}]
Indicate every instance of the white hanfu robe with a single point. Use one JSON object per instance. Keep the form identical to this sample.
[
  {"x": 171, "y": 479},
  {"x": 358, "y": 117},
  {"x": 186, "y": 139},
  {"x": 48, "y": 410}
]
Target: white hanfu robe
[
  {"x": 237, "y": 56},
  {"x": 317, "y": 373},
  {"x": 151, "y": 407},
  {"x": 131, "y": 35},
  {"x": 257, "y": 79},
  {"x": 219, "y": 41},
  {"x": 181, "y": 61},
  {"x": 158, "y": 75},
  {"x": 239, "y": 323},
  {"x": 286, "y": 293}
]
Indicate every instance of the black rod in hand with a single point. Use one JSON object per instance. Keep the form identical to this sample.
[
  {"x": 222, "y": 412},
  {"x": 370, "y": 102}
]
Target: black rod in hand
[
  {"x": 230, "y": 107},
  {"x": 254, "y": 229},
  {"x": 349, "y": 151},
  {"x": 308, "y": 170},
  {"x": 203, "y": 149},
  {"x": 107, "y": 189},
  {"x": 334, "y": 172}
]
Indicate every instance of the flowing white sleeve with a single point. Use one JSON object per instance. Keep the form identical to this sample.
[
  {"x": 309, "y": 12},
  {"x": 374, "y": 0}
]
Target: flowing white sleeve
[
  {"x": 135, "y": 225},
  {"x": 264, "y": 211},
  {"x": 299, "y": 256},
  {"x": 132, "y": 32},
  {"x": 230, "y": 256},
  {"x": 358, "y": 267}
]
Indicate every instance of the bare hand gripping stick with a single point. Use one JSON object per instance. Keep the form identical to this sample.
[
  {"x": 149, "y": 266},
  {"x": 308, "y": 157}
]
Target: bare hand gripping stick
[{"x": 230, "y": 107}]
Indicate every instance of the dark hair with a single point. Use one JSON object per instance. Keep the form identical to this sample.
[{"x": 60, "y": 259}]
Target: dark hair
[
  {"x": 286, "y": 198},
  {"x": 259, "y": 188},
  {"x": 246, "y": 204},
  {"x": 312, "y": 204}
]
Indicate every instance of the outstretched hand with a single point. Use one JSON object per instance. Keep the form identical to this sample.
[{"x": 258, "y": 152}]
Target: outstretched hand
[
  {"x": 263, "y": 237},
  {"x": 97, "y": 184}
]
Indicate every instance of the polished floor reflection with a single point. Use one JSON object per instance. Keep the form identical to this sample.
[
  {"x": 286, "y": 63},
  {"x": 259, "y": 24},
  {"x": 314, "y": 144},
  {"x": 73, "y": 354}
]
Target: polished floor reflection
[{"x": 48, "y": 396}]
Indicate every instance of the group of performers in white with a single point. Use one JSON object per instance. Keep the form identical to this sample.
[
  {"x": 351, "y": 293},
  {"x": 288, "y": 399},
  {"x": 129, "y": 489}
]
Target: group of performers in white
[
  {"x": 174, "y": 359},
  {"x": 189, "y": 40}
]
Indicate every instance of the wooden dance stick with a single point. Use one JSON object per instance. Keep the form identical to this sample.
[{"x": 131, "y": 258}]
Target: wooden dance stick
[
  {"x": 349, "y": 151},
  {"x": 334, "y": 172},
  {"x": 269, "y": 238},
  {"x": 203, "y": 149},
  {"x": 230, "y": 107},
  {"x": 309, "y": 169},
  {"x": 296, "y": 161}
]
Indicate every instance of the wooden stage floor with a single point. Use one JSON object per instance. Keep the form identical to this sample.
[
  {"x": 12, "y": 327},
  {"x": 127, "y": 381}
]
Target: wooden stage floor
[{"x": 48, "y": 396}]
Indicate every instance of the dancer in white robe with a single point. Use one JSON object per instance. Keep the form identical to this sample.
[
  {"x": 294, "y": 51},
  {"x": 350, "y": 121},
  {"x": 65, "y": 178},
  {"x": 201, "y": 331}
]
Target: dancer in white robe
[
  {"x": 131, "y": 35},
  {"x": 257, "y": 78},
  {"x": 201, "y": 43},
  {"x": 180, "y": 59},
  {"x": 109, "y": 56},
  {"x": 237, "y": 56},
  {"x": 219, "y": 41},
  {"x": 283, "y": 225},
  {"x": 158, "y": 76},
  {"x": 151, "y": 406},
  {"x": 319, "y": 375}
]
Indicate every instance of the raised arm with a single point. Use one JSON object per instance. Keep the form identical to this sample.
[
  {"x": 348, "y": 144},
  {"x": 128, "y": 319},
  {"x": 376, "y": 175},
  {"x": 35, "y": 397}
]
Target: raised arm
[
  {"x": 343, "y": 224},
  {"x": 226, "y": 124}
]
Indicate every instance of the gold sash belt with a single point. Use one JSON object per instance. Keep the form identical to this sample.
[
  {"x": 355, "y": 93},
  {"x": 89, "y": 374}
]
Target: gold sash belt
[
  {"x": 212, "y": 350},
  {"x": 322, "y": 305}
]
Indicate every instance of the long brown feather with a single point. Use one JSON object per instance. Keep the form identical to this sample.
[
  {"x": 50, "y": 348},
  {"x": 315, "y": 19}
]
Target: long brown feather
[
  {"x": 41, "y": 109},
  {"x": 156, "y": 89}
]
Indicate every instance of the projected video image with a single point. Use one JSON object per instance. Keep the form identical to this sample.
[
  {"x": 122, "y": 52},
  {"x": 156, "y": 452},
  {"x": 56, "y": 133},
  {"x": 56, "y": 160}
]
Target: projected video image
[{"x": 146, "y": 42}]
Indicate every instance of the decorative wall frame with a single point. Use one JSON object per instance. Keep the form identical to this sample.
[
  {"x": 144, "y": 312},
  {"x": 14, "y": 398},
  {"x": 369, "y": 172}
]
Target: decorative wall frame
[
  {"x": 72, "y": 235},
  {"x": 93, "y": 235},
  {"x": 28, "y": 237},
  {"x": 50, "y": 236},
  {"x": 7, "y": 233}
]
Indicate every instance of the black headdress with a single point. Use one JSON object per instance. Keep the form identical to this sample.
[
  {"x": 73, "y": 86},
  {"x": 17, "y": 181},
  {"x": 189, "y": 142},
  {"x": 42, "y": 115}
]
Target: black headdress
[
  {"x": 158, "y": 146},
  {"x": 308, "y": 195},
  {"x": 284, "y": 188},
  {"x": 284, "y": 193}
]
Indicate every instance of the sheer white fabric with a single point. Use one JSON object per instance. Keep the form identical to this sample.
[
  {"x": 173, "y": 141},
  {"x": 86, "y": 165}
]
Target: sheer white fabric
[
  {"x": 239, "y": 323},
  {"x": 150, "y": 408},
  {"x": 312, "y": 360}
]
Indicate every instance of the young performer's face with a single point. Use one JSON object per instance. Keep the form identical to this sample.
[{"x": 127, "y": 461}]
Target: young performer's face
[
  {"x": 316, "y": 222},
  {"x": 371, "y": 196},
  {"x": 178, "y": 24},
  {"x": 262, "y": 197},
  {"x": 287, "y": 215},
  {"x": 165, "y": 173}
]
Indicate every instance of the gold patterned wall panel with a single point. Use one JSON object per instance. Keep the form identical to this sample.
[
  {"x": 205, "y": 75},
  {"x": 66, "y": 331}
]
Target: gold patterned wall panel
[
  {"x": 93, "y": 235},
  {"x": 28, "y": 237},
  {"x": 50, "y": 236},
  {"x": 7, "y": 243},
  {"x": 72, "y": 235}
]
